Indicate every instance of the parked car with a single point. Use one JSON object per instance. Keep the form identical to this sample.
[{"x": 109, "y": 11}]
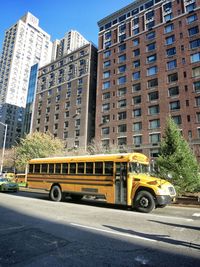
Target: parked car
[{"x": 8, "y": 186}]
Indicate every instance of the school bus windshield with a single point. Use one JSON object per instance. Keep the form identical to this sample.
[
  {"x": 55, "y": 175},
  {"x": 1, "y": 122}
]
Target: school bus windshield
[{"x": 138, "y": 167}]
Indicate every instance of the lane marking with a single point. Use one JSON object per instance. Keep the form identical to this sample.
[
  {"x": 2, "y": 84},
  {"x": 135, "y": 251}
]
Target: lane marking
[
  {"x": 196, "y": 214},
  {"x": 112, "y": 232}
]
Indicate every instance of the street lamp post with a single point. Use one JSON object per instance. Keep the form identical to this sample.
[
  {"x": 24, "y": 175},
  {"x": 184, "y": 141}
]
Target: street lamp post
[{"x": 4, "y": 145}]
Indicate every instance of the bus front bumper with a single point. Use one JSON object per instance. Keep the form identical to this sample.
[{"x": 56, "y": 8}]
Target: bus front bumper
[{"x": 163, "y": 200}]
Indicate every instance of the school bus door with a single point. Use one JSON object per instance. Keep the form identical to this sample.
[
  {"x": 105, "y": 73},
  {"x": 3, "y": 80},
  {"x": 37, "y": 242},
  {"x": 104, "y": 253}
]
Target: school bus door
[{"x": 121, "y": 183}]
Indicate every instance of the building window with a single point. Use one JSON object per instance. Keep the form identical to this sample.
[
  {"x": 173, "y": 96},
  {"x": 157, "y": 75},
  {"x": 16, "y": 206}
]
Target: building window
[
  {"x": 78, "y": 101},
  {"x": 195, "y": 57},
  {"x": 196, "y": 72},
  {"x": 195, "y": 44},
  {"x": 106, "y": 96},
  {"x": 105, "y": 118},
  {"x": 173, "y": 91},
  {"x": 122, "y": 128},
  {"x": 190, "y": 7},
  {"x": 196, "y": 86},
  {"x": 154, "y": 124},
  {"x": 194, "y": 30},
  {"x": 152, "y": 83},
  {"x": 106, "y": 74},
  {"x": 137, "y": 126},
  {"x": 106, "y": 85},
  {"x": 154, "y": 138},
  {"x": 152, "y": 71},
  {"x": 153, "y": 96},
  {"x": 171, "y": 52},
  {"x": 136, "y": 75},
  {"x": 122, "y": 115},
  {"x": 122, "y": 47},
  {"x": 136, "y": 42},
  {"x": 170, "y": 40},
  {"x": 136, "y": 100},
  {"x": 198, "y": 117},
  {"x": 169, "y": 28},
  {"x": 168, "y": 17},
  {"x": 105, "y": 131},
  {"x": 137, "y": 140},
  {"x": 154, "y": 110},
  {"x": 121, "y": 92},
  {"x": 192, "y": 18},
  {"x": 106, "y": 107},
  {"x": 177, "y": 119},
  {"x": 122, "y": 141},
  {"x": 106, "y": 54},
  {"x": 137, "y": 112},
  {"x": 151, "y": 47},
  {"x": 122, "y": 103},
  {"x": 136, "y": 63},
  {"x": 122, "y": 69},
  {"x": 197, "y": 101},
  {"x": 151, "y": 59},
  {"x": 175, "y": 105},
  {"x": 136, "y": 52},
  {"x": 136, "y": 87},
  {"x": 150, "y": 35},
  {"x": 121, "y": 80},
  {"x": 172, "y": 64},
  {"x": 106, "y": 63},
  {"x": 121, "y": 58},
  {"x": 173, "y": 77},
  {"x": 66, "y": 124}
]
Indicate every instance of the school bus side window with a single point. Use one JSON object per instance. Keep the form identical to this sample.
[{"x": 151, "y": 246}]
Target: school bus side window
[
  {"x": 37, "y": 168},
  {"x": 58, "y": 167},
  {"x": 98, "y": 167},
  {"x": 51, "y": 168},
  {"x": 65, "y": 168},
  {"x": 44, "y": 168},
  {"x": 31, "y": 168},
  {"x": 81, "y": 167},
  {"x": 109, "y": 168},
  {"x": 72, "y": 167},
  {"x": 89, "y": 167}
]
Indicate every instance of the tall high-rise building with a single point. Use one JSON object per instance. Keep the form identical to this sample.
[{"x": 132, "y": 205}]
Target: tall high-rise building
[
  {"x": 25, "y": 44},
  {"x": 71, "y": 41},
  {"x": 149, "y": 69},
  {"x": 66, "y": 97}
]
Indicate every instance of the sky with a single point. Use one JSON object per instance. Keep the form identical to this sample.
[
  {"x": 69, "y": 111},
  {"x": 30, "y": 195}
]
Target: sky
[{"x": 57, "y": 17}]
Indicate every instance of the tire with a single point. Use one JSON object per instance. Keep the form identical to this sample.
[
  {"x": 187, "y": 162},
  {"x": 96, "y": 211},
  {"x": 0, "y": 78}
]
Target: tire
[
  {"x": 55, "y": 193},
  {"x": 144, "y": 202}
]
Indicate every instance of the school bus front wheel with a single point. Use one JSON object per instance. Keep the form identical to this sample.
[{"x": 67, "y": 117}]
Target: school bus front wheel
[{"x": 144, "y": 201}]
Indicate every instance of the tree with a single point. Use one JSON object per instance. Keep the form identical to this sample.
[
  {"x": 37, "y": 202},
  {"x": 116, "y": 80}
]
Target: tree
[
  {"x": 37, "y": 145},
  {"x": 176, "y": 158}
]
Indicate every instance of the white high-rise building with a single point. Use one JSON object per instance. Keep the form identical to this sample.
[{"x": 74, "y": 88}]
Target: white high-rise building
[
  {"x": 71, "y": 41},
  {"x": 25, "y": 44}
]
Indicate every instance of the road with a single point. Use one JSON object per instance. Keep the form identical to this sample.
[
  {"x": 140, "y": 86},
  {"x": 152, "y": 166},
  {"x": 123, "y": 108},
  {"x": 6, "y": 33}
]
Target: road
[{"x": 37, "y": 232}]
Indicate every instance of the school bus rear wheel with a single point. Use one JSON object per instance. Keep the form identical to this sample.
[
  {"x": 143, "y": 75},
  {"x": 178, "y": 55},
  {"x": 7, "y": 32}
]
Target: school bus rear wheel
[{"x": 55, "y": 193}]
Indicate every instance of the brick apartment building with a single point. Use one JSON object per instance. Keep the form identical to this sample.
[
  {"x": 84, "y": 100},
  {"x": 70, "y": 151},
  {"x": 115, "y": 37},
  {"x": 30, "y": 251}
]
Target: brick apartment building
[
  {"x": 148, "y": 69},
  {"x": 66, "y": 97}
]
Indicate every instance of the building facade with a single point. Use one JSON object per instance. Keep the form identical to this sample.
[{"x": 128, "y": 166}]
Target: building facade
[
  {"x": 66, "y": 97},
  {"x": 149, "y": 69},
  {"x": 25, "y": 44}
]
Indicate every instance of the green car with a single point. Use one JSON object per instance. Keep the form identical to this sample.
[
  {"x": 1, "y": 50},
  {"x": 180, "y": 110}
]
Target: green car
[{"x": 8, "y": 186}]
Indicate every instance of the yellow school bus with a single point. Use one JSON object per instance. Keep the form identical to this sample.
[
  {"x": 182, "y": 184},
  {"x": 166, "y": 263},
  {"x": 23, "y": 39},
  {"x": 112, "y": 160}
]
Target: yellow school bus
[{"x": 118, "y": 178}]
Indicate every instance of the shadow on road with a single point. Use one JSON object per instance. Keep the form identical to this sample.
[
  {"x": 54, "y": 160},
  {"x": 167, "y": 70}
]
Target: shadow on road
[
  {"x": 160, "y": 238},
  {"x": 177, "y": 225}
]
